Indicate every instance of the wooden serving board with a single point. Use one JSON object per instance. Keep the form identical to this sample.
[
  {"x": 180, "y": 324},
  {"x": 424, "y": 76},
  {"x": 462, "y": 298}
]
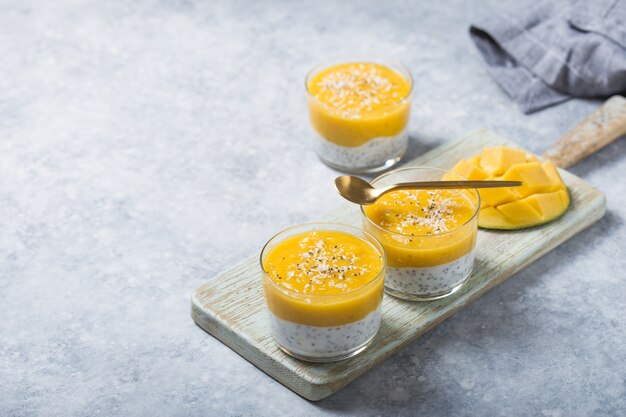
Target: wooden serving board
[{"x": 231, "y": 306}]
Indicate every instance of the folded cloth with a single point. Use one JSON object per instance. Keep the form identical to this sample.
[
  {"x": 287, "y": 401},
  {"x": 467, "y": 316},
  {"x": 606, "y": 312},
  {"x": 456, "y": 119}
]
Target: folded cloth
[{"x": 550, "y": 51}]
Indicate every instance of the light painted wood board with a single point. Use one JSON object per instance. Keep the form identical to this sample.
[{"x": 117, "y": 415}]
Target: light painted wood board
[{"x": 231, "y": 306}]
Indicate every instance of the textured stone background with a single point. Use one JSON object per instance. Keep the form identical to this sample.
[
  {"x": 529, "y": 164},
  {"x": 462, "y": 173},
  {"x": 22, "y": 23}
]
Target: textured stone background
[{"x": 146, "y": 146}]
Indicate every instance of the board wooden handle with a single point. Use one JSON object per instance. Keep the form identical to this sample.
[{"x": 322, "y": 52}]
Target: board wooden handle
[{"x": 599, "y": 129}]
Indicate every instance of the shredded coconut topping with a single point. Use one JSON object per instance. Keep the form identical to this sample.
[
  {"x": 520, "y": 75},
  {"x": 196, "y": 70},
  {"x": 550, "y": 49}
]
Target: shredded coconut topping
[
  {"x": 432, "y": 213},
  {"x": 357, "y": 88},
  {"x": 325, "y": 264}
]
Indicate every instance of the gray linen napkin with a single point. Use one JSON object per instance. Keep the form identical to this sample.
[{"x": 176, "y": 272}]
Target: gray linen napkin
[{"x": 550, "y": 51}]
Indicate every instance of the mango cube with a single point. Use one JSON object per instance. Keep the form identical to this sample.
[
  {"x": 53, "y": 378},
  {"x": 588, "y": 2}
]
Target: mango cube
[
  {"x": 475, "y": 160},
  {"x": 470, "y": 170},
  {"x": 490, "y": 197},
  {"x": 549, "y": 205},
  {"x": 565, "y": 199},
  {"x": 553, "y": 174},
  {"x": 496, "y": 161},
  {"x": 533, "y": 178},
  {"x": 495, "y": 219},
  {"x": 521, "y": 212}
]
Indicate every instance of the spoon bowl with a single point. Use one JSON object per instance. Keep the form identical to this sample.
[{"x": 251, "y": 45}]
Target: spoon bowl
[{"x": 355, "y": 189}]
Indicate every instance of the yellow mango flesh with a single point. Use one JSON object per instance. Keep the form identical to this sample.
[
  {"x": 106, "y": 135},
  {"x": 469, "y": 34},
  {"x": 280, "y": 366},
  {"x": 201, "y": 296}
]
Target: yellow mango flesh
[
  {"x": 494, "y": 197},
  {"x": 350, "y": 104},
  {"x": 495, "y": 219},
  {"x": 548, "y": 204},
  {"x": 336, "y": 278},
  {"x": 521, "y": 210},
  {"x": 469, "y": 169},
  {"x": 495, "y": 161},
  {"x": 533, "y": 177},
  {"x": 553, "y": 175},
  {"x": 542, "y": 197}
]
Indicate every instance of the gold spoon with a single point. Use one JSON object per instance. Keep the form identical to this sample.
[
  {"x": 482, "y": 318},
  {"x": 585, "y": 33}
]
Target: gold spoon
[{"x": 359, "y": 191}]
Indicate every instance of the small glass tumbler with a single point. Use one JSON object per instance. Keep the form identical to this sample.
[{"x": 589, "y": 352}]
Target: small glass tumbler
[
  {"x": 429, "y": 266},
  {"x": 359, "y": 141},
  {"x": 323, "y": 328}
]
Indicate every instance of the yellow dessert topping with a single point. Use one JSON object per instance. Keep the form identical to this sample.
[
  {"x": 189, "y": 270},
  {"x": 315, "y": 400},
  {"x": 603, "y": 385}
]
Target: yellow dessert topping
[
  {"x": 323, "y": 262},
  {"x": 337, "y": 278},
  {"x": 419, "y": 212},
  {"x": 358, "y": 88},
  {"x": 352, "y": 103},
  {"x": 421, "y": 228}
]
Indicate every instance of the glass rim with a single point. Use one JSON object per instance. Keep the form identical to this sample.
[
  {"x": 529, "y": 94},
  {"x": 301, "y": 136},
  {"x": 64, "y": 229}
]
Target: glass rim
[
  {"x": 379, "y": 249},
  {"x": 422, "y": 167},
  {"x": 386, "y": 62}
]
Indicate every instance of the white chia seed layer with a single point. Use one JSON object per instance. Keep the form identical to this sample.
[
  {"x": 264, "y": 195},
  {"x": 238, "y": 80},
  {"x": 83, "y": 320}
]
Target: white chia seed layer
[
  {"x": 372, "y": 154},
  {"x": 325, "y": 341},
  {"x": 430, "y": 281}
]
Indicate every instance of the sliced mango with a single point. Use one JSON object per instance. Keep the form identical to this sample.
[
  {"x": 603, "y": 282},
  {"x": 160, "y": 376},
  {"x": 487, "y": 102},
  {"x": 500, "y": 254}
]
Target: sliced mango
[
  {"x": 542, "y": 197},
  {"x": 533, "y": 178},
  {"x": 549, "y": 205},
  {"x": 565, "y": 199},
  {"x": 495, "y": 161},
  {"x": 490, "y": 197},
  {"x": 470, "y": 170},
  {"x": 553, "y": 174},
  {"x": 496, "y": 219},
  {"x": 520, "y": 211}
]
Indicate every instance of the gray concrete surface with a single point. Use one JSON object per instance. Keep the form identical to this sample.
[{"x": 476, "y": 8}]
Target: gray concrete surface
[{"x": 146, "y": 146}]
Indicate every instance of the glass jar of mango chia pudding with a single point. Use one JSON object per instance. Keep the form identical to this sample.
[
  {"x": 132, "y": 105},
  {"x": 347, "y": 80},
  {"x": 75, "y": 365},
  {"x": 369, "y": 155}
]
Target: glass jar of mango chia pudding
[
  {"x": 323, "y": 286},
  {"x": 429, "y": 235},
  {"x": 360, "y": 112}
]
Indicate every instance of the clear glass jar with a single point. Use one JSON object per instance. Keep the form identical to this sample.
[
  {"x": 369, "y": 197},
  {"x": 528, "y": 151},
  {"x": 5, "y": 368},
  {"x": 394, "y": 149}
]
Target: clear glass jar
[
  {"x": 327, "y": 327},
  {"x": 365, "y": 141},
  {"x": 428, "y": 266}
]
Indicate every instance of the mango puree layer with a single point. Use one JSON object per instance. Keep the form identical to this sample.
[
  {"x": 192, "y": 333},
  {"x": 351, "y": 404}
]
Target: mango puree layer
[
  {"x": 421, "y": 228},
  {"x": 350, "y": 104},
  {"x": 337, "y": 278}
]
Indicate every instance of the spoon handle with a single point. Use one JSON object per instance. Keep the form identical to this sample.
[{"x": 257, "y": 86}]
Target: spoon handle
[{"x": 427, "y": 185}]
